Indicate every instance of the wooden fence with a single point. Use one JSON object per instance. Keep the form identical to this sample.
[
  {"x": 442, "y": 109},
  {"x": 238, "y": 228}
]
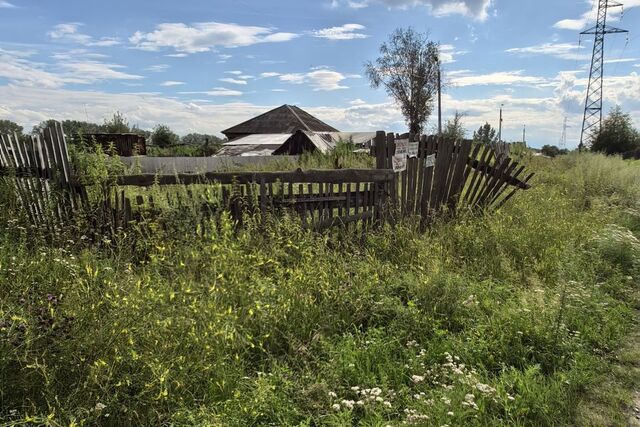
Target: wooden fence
[
  {"x": 37, "y": 167},
  {"x": 423, "y": 179}
]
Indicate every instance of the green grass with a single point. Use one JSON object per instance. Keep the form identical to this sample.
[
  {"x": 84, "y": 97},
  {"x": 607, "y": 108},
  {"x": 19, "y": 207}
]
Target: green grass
[{"x": 509, "y": 318}]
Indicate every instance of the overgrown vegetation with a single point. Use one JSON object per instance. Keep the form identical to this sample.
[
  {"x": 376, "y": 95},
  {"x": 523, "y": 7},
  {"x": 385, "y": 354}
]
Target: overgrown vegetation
[{"x": 507, "y": 318}]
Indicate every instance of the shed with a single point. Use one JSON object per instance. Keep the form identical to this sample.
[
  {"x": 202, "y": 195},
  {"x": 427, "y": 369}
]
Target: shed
[{"x": 286, "y": 119}]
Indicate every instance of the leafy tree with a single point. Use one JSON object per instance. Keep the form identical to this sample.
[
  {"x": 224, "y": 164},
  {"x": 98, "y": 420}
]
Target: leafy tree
[
  {"x": 552, "y": 150},
  {"x": 485, "y": 135},
  {"x": 200, "y": 139},
  {"x": 454, "y": 128},
  {"x": 116, "y": 124},
  {"x": 408, "y": 69},
  {"x": 617, "y": 134},
  {"x": 9, "y": 127},
  {"x": 162, "y": 136}
]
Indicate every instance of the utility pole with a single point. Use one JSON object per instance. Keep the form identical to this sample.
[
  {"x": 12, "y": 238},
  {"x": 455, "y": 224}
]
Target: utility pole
[
  {"x": 592, "y": 119},
  {"x": 439, "y": 98},
  {"x": 524, "y": 135},
  {"x": 500, "y": 126}
]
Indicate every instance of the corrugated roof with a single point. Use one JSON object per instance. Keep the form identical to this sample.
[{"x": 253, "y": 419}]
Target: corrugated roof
[
  {"x": 284, "y": 119},
  {"x": 261, "y": 139},
  {"x": 248, "y": 150}
]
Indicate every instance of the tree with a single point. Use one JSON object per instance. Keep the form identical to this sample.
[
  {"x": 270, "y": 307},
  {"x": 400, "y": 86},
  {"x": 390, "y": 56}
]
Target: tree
[
  {"x": 408, "y": 69},
  {"x": 162, "y": 136},
  {"x": 454, "y": 129},
  {"x": 552, "y": 150},
  {"x": 485, "y": 135},
  {"x": 617, "y": 135},
  {"x": 116, "y": 124},
  {"x": 9, "y": 127}
]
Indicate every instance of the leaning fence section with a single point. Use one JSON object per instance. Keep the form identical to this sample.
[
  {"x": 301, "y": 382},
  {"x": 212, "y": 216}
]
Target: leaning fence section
[{"x": 433, "y": 175}]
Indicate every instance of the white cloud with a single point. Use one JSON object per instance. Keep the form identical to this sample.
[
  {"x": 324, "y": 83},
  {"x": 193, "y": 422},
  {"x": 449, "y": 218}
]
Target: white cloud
[
  {"x": 234, "y": 72},
  {"x": 568, "y": 51},
  {"x": 344, "y": 32},
  {"x": 158, "y": 68},
  {"x": 68, "y": 33},
  {"x": 589, "y": 17},
  {"x": 205, "y": 36},
  {"x": 216, "y": 91},
  {"x": 502, "y": 78},
  {"x": 233, "y": 81},
  {"x": 320, "y": 79},
  {"x": 6, "y": 4},
  {"x": 448, "y": 53},
  {"x": 477, "y": 9},
  {"x": 18, "y": 69},
  {"x": 170, "y": 83}
]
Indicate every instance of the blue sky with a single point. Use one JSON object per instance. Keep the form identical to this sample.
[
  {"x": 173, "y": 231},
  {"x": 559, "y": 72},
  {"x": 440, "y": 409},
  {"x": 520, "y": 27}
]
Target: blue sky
[{"x": 202, "y": 66}]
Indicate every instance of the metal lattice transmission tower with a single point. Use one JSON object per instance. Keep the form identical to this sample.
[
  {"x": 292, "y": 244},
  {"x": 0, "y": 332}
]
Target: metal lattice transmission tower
[
  {"x": 563, "y": 137},
  {"x": 593, "y": 104}
]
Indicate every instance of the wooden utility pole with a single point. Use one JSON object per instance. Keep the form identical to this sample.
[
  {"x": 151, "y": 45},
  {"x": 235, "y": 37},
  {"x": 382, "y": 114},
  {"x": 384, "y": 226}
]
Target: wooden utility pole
[
  {"x": 439, "y": 99},
  {"x": 500, "y": 126}
]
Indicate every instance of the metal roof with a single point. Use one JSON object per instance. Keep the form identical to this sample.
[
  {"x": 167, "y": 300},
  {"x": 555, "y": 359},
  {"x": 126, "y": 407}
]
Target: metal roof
[{"x": 260, "y": 139}]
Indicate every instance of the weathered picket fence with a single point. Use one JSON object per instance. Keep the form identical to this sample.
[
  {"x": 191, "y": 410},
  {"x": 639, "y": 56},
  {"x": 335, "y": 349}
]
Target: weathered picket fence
[
  {"x": 37, "y": 167},
  {"x": 418, "y": 179}
]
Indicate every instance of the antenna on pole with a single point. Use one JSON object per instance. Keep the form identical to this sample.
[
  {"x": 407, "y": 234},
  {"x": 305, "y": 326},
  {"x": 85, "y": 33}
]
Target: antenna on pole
[{"x": 593, "y": 104}]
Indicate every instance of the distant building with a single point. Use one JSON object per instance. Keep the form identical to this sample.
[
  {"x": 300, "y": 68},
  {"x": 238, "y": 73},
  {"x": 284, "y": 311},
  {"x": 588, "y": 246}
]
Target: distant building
[{"x": 287, "y": 130}]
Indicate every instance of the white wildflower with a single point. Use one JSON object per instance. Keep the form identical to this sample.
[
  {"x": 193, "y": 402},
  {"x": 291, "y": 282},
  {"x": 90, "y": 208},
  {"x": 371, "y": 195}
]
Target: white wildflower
[
  {"x": 332, "y": 394},
  {"x": 417, "y": 378},
  {"x": 99, "y": 406},
  {"x": 335, "y": 407}
]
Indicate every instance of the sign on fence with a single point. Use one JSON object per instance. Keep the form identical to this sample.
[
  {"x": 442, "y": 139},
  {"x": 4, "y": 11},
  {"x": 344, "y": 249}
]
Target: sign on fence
[
  {"x": 400, "y": 157},
  {"x": 412, "y": 150},
  {"x": 430, "y": 161}
]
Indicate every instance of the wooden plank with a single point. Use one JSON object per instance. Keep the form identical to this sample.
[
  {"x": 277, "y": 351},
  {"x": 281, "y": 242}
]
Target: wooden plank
[
  {"x": 495, "y": 174},
  {"x": 510, "y": 195},
  {"x": 64, "y": 152},
  {"x": 357, "y": 201},
  {"x": 505, "y": 184},
  {"x": 457, "y": 179},
  {"x": 311, "y": 176},
  {"x": 477, "y": 174},
  {"x": 428, "y": 180},
  {"x": 502, "y": 179},
  {"x": 482, "y": 180}
]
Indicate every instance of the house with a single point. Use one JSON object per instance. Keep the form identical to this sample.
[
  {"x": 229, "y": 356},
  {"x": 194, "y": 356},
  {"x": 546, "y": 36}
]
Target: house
[
  {"x": 286, "y": 119},
  {"x": 287, "y": 130}
]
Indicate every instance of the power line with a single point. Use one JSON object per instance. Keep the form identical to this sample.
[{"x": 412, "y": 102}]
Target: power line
[{"x": 592, "y": 119}]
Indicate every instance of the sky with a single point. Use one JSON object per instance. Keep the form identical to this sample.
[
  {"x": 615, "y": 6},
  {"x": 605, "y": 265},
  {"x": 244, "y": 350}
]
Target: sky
[{"x": 205, "y": 65}]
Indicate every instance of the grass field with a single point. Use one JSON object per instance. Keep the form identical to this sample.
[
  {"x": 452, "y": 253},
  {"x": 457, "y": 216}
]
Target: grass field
[{"x": 515, "y": 317}]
